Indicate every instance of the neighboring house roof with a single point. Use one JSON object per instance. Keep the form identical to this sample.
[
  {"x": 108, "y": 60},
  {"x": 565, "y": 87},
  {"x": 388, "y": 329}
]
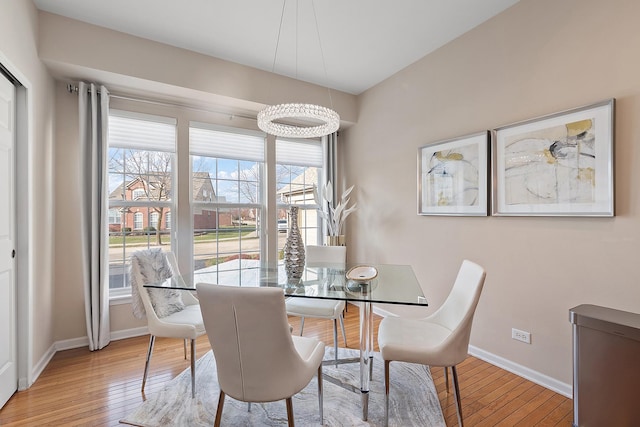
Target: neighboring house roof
[
  {"x": 203, "y": 179},
  {"x": 302, "y": 183}
]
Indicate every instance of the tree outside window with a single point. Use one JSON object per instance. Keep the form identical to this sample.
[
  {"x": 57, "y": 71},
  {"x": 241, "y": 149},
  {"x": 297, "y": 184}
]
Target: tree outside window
[{"x": 141, "y": 157}]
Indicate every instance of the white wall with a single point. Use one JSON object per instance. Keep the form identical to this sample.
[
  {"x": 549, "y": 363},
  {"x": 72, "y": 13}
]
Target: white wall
[
  {"x": 18, "y": 52},
  {"x": 536, "y": 58}
]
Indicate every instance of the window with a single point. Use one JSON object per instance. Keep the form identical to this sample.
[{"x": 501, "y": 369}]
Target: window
[
  {"x": 138, "y": 220},
  {"x": 299, "y": 169},
  {"x": 227, "y": 189},
  {"x": 138, "y": 193},
  {"x": 141, "y": 158},
  {"x": 114, "y": 217},
  {"x": 227, "y": 174},
  {"x": 155, "y": 216}
]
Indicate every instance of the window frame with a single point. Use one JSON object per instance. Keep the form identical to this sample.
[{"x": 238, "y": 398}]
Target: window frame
[
  {"x": 179, "y": 217},
  {"x": 122, "y": 294},
  {"x": 219, "y": 204},
  {"x": 319, "y": 163}
]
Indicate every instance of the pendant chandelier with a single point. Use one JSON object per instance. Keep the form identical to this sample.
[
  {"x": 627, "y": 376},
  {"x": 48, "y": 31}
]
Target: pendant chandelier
[{"x": 298, "y": 120}]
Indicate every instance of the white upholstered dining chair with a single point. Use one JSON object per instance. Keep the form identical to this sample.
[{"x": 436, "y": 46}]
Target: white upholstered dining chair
[
  {"x": 257, "y": 358},
  {"x": 333, "y": 256},
  {"x": 441, "y": 339},
  {"x": 170, "y": 313}
]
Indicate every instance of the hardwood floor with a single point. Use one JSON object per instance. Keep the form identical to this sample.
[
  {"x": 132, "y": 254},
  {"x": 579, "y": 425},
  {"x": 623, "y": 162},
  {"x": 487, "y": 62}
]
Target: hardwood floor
[{"x": 83, "y": 388}]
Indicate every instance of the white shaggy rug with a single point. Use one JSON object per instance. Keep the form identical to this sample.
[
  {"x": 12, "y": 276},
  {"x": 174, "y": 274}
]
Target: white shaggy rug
[{"x": 413, "y": 400}]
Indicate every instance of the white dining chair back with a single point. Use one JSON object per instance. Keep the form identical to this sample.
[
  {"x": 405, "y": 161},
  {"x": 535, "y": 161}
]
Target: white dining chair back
[
  {"x": 183, "y": 320},
  {"x": 317, "y": 256},
  {"x": 457, "y": 312},
  {"x": 325, "y": 255},
  {"x": 441, "y": 339},
  {"x": 257, "y": 358}
]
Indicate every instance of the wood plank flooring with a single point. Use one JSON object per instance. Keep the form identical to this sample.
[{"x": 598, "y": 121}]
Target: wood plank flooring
[{"x": 83, "y": 388}]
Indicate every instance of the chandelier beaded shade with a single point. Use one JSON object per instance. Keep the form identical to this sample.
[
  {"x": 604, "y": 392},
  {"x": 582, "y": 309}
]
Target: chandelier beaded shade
[
  {"x": 298, "y": 120},
  {"x": 329, "y": 118}
]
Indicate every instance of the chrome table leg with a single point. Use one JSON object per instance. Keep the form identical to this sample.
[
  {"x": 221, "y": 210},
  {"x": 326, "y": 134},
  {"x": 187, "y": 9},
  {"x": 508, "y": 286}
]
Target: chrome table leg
[{"x": 366, "y": 350}]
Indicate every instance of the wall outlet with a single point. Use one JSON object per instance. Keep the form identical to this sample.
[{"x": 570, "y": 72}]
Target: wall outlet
[{"x": 519, "y": 335}]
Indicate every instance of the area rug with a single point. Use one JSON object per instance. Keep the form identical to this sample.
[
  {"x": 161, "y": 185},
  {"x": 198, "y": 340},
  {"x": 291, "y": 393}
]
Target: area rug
[{"x": 413, "y": 400}]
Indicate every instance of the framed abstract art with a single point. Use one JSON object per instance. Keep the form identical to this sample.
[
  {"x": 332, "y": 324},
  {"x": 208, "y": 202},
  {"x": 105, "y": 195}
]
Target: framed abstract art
[
  {"x": 452, "y": 176},
  {"x": 556, "y": 165}
]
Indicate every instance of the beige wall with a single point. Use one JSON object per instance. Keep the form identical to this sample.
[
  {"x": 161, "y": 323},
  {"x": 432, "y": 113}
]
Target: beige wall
[
  {"x": 70, "y": 319},
  {"x": 536, "y": 58},
  {"x": 69, "y": 46},
  {"x": 131, "y": 65},
  {"x": 18, "y": 52},
  {"x": 539, "y": 57}
]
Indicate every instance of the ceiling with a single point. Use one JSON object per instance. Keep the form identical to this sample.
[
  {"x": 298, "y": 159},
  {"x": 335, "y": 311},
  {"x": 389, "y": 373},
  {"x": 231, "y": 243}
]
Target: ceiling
[{"x": 355, "y": 45}]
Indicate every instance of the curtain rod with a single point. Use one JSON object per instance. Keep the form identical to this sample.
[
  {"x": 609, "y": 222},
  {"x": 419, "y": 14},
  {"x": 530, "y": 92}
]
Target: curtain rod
[{"x": 71, "y": 88}]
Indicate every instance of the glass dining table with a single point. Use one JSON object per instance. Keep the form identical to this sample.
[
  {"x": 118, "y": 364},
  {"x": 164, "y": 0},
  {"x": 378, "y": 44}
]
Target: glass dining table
[{"x": 394, "y": 284}]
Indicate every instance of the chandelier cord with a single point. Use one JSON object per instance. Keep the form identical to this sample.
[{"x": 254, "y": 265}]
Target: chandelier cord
[
  {"x": 275, "y": 55},
  {"x": 297, "y": 39},
  {"x": 272, "y": 119},
  {"x": 324, "y": 66}
]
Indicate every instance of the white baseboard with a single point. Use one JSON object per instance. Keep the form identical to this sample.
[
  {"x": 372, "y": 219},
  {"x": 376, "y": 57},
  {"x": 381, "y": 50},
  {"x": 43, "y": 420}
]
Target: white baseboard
[
  {"x": 38, "y": 368},
  {"x": 129, "y": 333},
  {"x": 381, "y": 312},
  {"x": 71, "y": 343},
  {"x": 115, "y": 336},
  {"x": 74, "y": 343},
  {"x": 524, "y": 372},
  {"x": 515, "y": 368}
]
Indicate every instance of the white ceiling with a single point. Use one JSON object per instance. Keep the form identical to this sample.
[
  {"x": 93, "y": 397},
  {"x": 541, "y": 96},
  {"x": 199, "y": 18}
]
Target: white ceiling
[{"x": 362, "y": 41}]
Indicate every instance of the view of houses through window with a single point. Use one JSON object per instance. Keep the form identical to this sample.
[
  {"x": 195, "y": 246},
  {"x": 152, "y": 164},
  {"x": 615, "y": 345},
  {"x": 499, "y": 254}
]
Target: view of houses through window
[
  {"x": 141, "y": 159},
  {"x": 227, "y": 195}
]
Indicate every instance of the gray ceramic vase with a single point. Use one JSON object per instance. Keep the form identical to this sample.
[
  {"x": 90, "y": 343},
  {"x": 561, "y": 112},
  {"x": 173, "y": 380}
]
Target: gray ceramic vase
[{"x": 294, "y": 248}]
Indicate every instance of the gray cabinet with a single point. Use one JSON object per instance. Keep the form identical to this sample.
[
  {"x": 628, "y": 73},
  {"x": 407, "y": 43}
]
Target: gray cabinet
[{"x": 606, "y": 367}]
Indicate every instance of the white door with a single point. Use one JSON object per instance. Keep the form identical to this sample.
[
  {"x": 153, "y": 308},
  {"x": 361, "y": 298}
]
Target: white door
[{"x": 8, "y": 337}]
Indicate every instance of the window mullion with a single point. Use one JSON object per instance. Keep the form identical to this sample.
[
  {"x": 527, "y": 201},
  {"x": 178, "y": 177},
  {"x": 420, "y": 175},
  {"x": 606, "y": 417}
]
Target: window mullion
[{"x": 270, "y": 232}]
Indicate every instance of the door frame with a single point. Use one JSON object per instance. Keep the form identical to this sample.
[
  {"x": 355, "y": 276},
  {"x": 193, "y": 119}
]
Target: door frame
[{"x": 23, "y": 229}]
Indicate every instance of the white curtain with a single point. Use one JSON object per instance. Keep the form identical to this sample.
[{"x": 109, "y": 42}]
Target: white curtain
[
  {"x": 331, "y": 164},
  {"x": 93, "y": 107}
]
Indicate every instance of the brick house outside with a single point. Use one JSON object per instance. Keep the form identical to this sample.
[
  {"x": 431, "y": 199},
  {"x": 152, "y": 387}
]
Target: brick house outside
[{"x": 138, "y": 219}]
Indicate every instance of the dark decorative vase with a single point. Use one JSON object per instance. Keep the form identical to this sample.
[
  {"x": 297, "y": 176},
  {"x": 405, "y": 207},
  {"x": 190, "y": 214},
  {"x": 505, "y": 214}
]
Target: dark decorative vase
[{"x": 294, "y": 248}]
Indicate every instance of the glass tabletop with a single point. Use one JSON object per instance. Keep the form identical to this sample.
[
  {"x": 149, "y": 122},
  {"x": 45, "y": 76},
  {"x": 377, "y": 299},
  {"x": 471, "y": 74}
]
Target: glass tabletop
[{"x": 394, "y": 284}]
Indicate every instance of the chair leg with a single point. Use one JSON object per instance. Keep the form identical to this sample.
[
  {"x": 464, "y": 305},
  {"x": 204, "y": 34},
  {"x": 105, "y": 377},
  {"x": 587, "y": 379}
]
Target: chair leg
[
  {"x": 446, "y": 378},
  {"x": 386, "y": 392},
  {"x": 152, "y": 340},
  {"x": 344, "y": 334},
  {"x": 335, "y": 339},
  {"x": 301, "y": 325},
  {"x": 320, "y": 395},
  {"x": 456, "y": 390},
  {"x": 193, "y": 368},
  {"x": 371, "y": 368},
  {"x": 216, "y": 423},
  {"x": 248, "y": 406},
  {"x": 185, "y": 349},
  {"x": 290, "y": 420}
]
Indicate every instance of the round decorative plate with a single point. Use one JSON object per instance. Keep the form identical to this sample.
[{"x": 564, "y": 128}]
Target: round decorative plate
[{"x": 362, "y": 273}]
